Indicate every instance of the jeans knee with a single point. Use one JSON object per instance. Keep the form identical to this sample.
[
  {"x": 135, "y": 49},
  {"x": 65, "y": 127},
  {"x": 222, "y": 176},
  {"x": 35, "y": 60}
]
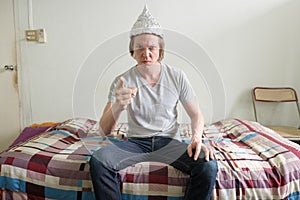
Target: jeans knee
[
  {"x": 95, "y": 164},
  {"x": 208, "y": 170},
  {"x": 213, "y": 165},
  {"x": 93, "y": 161},
  {"x": 211, "y": 169},
  {"x": 102, "y": 158}
]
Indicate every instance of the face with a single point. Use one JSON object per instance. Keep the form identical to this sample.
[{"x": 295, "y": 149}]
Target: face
[{"x": 146, "y": 49}]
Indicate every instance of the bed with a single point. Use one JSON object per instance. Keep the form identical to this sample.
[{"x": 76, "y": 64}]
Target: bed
[{"x": 53, "y": 163}]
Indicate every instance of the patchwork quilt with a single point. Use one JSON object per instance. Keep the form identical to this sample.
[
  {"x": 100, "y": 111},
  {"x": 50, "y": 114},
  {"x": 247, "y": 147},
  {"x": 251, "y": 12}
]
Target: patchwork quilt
[{"x": 254, "y": 163}]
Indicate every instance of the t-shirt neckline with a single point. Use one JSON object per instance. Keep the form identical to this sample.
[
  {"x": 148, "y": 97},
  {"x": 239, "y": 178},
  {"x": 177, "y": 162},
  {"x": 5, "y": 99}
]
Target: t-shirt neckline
[{"x": 145, "y": 82}]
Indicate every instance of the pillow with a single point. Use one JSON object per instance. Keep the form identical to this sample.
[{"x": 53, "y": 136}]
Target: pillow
[{"x": 28, "y": 133}]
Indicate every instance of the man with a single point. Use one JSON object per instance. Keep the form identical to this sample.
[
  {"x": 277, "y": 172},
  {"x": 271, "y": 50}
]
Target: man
[{"x": 150, "y": 92}]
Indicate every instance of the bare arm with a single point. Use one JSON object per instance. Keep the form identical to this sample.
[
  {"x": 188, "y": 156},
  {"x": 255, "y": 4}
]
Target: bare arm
[
  {"x": 197, "y": 125},
  {"x": 109, "y": 119}
]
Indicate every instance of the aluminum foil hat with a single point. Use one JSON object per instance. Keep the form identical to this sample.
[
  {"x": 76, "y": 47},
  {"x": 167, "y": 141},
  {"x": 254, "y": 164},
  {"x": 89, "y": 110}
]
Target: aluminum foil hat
[{"x": 146, "y": 23}]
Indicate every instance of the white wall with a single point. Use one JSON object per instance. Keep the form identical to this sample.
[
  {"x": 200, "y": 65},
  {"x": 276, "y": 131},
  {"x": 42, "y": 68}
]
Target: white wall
[{"x": 249, "y": 42}]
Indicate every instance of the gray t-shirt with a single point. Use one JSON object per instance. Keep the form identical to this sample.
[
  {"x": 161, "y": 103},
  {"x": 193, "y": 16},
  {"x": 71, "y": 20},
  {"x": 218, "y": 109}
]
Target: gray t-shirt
[{"x": 153, "y": 110}]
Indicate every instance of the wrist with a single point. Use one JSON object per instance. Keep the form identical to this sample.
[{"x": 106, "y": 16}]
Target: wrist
[
  {"x": 117, "y": 108},
  {"x": 197, "y": 136}
]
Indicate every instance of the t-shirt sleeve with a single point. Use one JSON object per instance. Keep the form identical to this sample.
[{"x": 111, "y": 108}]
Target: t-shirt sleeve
[{"x": 187, "y": 92}]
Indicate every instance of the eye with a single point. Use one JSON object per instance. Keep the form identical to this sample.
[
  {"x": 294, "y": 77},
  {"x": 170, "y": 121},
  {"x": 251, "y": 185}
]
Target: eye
[
  {"x": 153, "y": 48},
  {"x": 138, "y": 47}
]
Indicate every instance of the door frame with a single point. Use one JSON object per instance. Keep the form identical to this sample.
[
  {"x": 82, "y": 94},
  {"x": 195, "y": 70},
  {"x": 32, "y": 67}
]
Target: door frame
[{"x": 23, "y": 82}]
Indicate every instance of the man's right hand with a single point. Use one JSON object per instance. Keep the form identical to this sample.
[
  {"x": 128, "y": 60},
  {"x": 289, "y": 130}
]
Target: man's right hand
[{"x": 124, "y": 95}]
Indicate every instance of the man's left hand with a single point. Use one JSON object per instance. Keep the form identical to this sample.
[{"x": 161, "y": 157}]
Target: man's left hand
[{"x": 195, "y": 147}]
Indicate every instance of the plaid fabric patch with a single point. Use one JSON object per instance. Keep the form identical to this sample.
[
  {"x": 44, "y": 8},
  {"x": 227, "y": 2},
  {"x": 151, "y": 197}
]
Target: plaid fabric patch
[
  {"x": 153, "y": 180},
  {"x": 52, "y": 165},
  {"x": 254, "y": 162}
]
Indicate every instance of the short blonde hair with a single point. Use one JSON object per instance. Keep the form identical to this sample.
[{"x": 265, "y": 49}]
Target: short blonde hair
[{"x": 161, "y": 47}]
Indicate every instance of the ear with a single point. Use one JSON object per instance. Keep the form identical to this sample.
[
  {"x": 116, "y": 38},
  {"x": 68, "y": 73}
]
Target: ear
[{"x": 133, "y": 55}]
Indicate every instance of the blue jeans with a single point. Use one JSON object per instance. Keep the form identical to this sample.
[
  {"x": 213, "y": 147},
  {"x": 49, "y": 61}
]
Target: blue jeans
[{"x": 106, "y": 162}]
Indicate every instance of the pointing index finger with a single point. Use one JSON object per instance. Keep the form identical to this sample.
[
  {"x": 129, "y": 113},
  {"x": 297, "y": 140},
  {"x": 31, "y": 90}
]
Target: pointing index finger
[{"x": 121, "y": 82}]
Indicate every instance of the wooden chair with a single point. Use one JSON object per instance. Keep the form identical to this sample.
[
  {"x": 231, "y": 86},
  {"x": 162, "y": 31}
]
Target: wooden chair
[{"x": 278, "y": 95}]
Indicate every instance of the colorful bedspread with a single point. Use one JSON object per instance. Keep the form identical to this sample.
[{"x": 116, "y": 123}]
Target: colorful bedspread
[{"x": 254, "y": 163}]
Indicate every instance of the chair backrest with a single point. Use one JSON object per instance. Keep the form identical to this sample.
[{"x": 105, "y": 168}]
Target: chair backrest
[{"x": 274, "y": 94}]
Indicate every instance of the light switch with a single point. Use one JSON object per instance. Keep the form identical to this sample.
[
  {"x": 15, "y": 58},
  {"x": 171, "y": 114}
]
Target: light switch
[{"x": 42, "y": 35}]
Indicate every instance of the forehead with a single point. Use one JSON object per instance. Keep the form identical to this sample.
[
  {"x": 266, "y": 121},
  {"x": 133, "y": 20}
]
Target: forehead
[{"x": 146, "y": 39}]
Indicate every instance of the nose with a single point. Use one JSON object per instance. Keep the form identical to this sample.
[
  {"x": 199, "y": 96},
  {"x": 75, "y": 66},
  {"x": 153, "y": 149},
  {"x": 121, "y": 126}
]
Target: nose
[{"x": 146, "y": 52}]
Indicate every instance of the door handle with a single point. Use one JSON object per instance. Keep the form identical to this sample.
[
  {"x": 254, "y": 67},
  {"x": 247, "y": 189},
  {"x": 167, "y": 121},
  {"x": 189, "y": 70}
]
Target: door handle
[{"x": 10, "y": 67}]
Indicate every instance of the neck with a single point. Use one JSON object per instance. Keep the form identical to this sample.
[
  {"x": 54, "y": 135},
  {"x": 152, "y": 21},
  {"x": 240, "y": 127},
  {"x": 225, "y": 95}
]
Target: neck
[{"x": 150, "y": 73}]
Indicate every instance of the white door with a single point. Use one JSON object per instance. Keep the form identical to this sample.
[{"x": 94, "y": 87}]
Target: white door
[{"x": 9, "y": 100}]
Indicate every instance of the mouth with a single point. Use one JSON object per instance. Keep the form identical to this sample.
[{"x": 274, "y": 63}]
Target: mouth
[{"x": 146, "y": 62}]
